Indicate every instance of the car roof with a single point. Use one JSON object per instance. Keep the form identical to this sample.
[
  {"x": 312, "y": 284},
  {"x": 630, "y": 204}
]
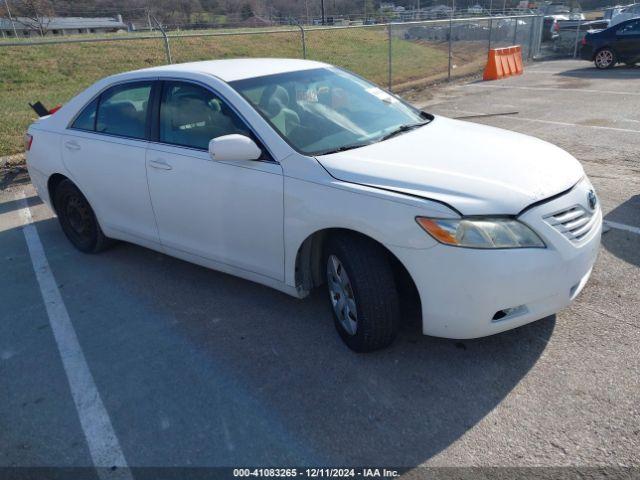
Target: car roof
[{"x": 238, "y": 69}]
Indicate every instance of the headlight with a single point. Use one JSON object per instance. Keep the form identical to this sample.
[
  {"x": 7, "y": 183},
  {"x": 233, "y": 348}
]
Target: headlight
[{"x": 479, "y": 232}]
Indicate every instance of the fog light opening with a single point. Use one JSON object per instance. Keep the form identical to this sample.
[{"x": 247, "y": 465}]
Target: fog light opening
[
  {"x": 509, "y": 313},
  {"x": 573, "y": 290}
]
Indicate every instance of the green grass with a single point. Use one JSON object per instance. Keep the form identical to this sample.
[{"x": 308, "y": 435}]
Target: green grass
[{"x": 55, "y": 73}]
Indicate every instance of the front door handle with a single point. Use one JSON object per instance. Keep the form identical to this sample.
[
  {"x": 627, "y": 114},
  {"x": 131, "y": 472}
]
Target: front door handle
[
  {"x": 160, "y": 164},
  {"x": 72, "y": 145}
]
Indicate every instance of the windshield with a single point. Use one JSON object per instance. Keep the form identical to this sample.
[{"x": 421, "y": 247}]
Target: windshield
[{"x": 327, "y": 110}]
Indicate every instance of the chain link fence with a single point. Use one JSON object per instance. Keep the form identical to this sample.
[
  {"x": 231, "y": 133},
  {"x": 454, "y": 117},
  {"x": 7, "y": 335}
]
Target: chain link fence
[
  {"x": 399, "y": 56},
  {"x": 561, "y": 36}
]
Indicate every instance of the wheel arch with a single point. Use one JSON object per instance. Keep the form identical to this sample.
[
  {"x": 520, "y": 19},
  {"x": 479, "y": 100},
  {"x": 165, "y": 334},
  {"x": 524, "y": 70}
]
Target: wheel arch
[
  {"x": 609, "y": 46},
  {"x": 309, "y": 270},
  {"x": 55, "y": 180},
  {"x": 52, "y": 184}
]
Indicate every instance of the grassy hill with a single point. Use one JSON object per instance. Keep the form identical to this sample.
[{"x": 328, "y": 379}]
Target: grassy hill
[{"x": 55, "y": 73}]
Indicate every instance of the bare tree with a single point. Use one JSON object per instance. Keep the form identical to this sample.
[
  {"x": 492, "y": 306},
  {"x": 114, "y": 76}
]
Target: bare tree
[
  {"x": 34, "y": 15},
  {"x": 175, "y": 11}
]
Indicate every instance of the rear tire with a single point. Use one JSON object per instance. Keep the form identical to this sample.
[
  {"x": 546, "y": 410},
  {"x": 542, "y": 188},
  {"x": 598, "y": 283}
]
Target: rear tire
[
  {"x": 362, "y": 292},
  {"x": 604, "y": 58},
  {"x": 77, "y": 219}
]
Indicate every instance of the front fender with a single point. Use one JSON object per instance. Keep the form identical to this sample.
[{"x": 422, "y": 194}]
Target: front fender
[{"x": 386, "y": 217}]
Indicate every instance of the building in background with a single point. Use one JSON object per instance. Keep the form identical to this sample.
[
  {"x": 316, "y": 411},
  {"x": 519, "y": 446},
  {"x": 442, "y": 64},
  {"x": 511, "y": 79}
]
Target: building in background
[{"x": 44, "y": 26}]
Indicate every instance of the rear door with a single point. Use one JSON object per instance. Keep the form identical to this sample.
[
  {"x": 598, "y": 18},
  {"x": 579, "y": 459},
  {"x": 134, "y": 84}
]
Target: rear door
[
  {"x": 628, "y": 41},
  {"x": 104, "y": 149}
]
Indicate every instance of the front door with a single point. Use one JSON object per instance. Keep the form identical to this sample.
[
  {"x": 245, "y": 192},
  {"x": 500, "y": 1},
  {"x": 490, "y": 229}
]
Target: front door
[
  {"x": 229, "y": 212},
  {"x": 628, "y": 41}
]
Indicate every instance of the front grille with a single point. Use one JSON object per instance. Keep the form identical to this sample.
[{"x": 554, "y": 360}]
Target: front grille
[{"x": 575, "y": 222}]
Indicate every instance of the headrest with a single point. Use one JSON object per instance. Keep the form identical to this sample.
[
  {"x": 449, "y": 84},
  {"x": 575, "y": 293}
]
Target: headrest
[
  {"x": 279, "y": 100},
  {"x": 120, "y": 109},
  {"x": 188, "y": 111},
  {"x": 282, "y": 95}
]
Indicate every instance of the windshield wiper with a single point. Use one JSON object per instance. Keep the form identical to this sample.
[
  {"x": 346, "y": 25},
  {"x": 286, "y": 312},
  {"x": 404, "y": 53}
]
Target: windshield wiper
[
  {"x": 402, "y": 129},
  {"x": 344, "y": 148},
  {"x": 397, "y": 131}
]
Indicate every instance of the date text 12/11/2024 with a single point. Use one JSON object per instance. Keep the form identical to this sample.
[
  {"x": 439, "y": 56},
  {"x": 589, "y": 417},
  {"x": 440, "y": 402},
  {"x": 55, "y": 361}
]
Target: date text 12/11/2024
[{"x": 316, "y": 472}]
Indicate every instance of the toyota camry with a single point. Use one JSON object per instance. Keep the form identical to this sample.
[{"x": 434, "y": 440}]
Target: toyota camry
[{"x": 297, "y": 174}]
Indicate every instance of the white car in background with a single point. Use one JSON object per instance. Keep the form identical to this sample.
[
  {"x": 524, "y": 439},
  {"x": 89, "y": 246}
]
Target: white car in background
[
  {"x": 562, "y": 11},
  {"x": 296, "y": 174}
]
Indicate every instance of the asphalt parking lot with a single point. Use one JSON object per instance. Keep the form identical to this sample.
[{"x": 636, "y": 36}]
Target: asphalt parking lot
[{"x": 197, "y": 368}]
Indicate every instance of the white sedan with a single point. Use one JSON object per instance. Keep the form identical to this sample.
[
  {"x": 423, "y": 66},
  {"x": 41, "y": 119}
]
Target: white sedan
[{"x": 296, "y": 174}]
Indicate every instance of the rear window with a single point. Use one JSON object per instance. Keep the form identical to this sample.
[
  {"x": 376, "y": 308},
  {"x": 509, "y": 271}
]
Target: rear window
[
  {"x": 87, "y": 118},
  {"x": 123, "y": 110},
  {"x": 558, "y": 9},
  {"x": 631, "y": 28}
]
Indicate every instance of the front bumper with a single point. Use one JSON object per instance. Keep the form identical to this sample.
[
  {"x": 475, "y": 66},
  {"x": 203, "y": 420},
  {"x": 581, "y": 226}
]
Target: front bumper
[{"x": 462, "y": 290}]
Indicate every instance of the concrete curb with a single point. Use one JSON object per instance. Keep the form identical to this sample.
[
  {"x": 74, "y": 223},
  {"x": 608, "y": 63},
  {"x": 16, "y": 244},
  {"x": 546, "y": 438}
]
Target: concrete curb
[{"x": 16, "y": 159}]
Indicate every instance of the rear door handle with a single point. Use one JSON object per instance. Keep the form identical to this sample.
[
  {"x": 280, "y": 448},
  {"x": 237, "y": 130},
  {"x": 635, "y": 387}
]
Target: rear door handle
[
  {"x": 72, "y": 145},
  {"x": 160, "y": 164}
]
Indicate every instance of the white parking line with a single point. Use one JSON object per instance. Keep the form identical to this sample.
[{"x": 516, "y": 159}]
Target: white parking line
[
  {"x": 622, "y": 226},
  {"x": 537, "y": 120},
  {"x": 102, "y": 441},
  {"x": 552, "y": 89},
  {"x": 567, "y": 124}
]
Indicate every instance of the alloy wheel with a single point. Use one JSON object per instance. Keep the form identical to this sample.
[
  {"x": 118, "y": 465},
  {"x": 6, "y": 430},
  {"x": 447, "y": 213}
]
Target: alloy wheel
[
  {"x": 342, "y": 296},
  {"x": 604, "y": 58}
]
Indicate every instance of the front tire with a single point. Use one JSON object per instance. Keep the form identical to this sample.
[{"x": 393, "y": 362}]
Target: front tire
[
  {"x": 77, "y": 219},
  {"x": 362, "y": 292},
  {"x": 604, "y": 58}
]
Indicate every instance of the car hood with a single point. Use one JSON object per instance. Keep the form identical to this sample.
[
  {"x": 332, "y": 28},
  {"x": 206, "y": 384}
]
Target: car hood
[{"x": 476, "y": 169}]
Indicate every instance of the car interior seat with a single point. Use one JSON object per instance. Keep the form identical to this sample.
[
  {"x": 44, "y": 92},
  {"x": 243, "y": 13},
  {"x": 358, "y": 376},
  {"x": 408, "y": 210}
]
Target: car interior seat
[
  {"x": 121, "y": 118},
  {"x": 275, "y": 103}
]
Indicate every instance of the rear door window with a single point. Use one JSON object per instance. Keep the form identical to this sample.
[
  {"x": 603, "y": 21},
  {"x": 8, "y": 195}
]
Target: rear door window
[
  {"x": 123, "y": 109},
  {"x": 632, "y": 28},
  {"x": 87, "y": 118}
]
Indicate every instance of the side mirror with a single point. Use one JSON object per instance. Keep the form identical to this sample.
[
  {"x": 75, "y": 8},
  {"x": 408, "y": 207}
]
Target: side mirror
[{"x": 234, "y": 148}]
